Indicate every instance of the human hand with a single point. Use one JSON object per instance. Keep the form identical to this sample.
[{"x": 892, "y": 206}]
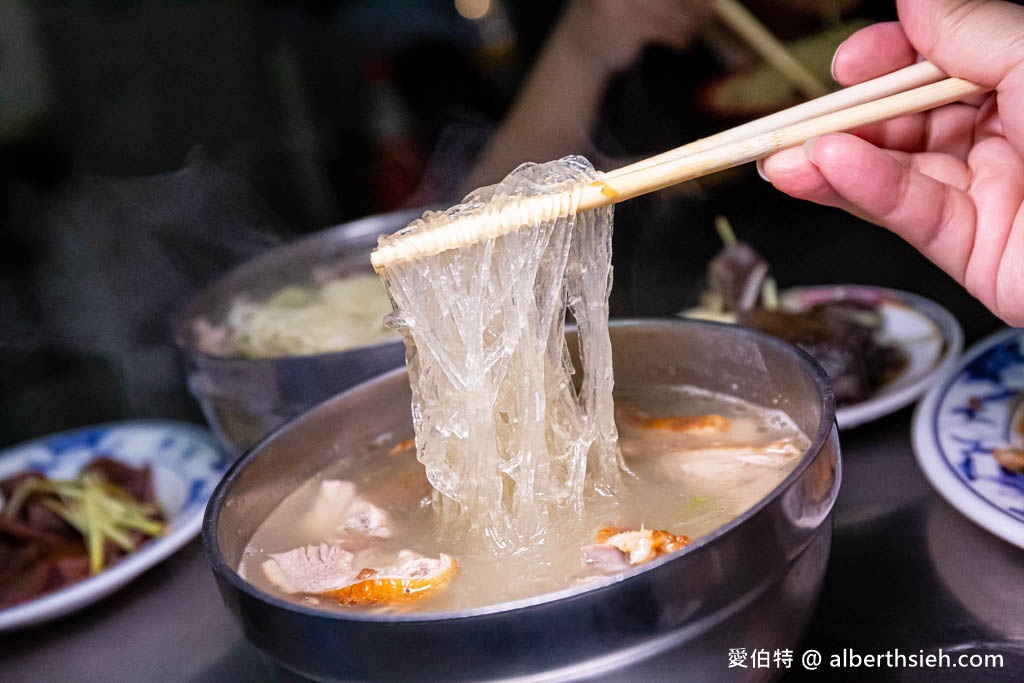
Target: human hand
[
  {"x": 610, "y": 34},
  {"x": 949, "y": 181}
]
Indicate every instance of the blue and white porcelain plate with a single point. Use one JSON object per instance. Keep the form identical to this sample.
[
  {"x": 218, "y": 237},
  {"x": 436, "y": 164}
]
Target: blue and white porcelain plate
[
  {"x": 186, "y": 463},
  {"x": 973, "y": 410}
]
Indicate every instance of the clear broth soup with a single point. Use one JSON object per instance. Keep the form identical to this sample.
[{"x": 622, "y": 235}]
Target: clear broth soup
[{"x": 685, "y": 476}]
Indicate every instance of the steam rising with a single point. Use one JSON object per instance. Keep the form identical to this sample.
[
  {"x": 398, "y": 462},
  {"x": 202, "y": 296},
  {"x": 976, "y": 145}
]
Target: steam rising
[{"x": 123, "y": 256}]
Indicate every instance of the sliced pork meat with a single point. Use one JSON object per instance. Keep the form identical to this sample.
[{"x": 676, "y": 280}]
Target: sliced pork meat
[
  {"x": 311, "y": 569},
  {"x": 354, "y": 565},
  {"x": 740, "y": 469},
  {"x": 617, "y": 549},
  {"x": 601, "y": 558},
  {"x": 331, "y": 571},
  {"x": 341, "y": 513}
]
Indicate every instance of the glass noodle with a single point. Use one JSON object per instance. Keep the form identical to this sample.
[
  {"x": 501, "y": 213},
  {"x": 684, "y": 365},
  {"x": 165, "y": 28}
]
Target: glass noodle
[{"x": 509, "y": 445}]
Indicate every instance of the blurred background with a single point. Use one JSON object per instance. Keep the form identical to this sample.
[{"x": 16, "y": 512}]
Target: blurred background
[{"x": 146, "y": 146}]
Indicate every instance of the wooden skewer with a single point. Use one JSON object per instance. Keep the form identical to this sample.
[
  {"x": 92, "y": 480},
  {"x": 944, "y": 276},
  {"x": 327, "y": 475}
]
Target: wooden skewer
[
  {"x": 740, "y": 20},
  {"x": 678, "y": 166}
]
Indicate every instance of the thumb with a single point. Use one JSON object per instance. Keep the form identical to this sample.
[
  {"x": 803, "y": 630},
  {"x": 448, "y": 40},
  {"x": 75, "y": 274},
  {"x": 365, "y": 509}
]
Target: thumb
[{"x": 980, "y": 40}]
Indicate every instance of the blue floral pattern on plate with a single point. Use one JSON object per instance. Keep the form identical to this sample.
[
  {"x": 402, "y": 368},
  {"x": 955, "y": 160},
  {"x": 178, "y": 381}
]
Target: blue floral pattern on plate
[
  {"x": 959, "y": 423},
  {"x": 187, "y": 464}
]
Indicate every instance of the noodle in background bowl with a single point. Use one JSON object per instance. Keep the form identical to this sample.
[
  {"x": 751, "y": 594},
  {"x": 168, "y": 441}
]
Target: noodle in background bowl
[
  {"x": 752, "y": 583},
  {"x": 243, "y": 399}
]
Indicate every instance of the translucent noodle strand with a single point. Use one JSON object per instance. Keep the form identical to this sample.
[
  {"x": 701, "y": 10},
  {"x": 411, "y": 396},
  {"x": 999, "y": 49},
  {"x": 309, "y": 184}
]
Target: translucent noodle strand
[{"x": 509, "y": 444}]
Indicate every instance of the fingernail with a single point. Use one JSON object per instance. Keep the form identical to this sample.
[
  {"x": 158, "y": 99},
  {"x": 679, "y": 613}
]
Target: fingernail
[
  {"x": 759, "y": 165},
  {"x": 808, "y": 148},
  {"x": 832, "y": 66}
]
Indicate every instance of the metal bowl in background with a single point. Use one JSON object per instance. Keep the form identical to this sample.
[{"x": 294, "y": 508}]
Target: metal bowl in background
[
  {"x": 245, "y": 398},
  {"x": 751, "y": 584}
]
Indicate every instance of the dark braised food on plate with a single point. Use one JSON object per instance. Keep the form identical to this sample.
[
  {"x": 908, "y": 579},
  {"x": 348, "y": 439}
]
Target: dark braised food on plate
[
  {"x": 56, "y": 532},
  {"x": 844, "y": 337}
]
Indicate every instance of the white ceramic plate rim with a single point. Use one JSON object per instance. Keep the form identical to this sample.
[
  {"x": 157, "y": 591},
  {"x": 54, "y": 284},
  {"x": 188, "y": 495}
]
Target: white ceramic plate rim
[
  {"x": 900, "y": 392},
  {"x": 934, "y": 464},
  {"x": 183, "y": 526}
]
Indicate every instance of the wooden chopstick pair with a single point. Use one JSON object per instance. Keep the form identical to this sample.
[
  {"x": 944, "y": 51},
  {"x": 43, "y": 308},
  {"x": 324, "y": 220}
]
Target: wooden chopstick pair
[
  {"x": 914, "y": 89},
  {"x": 870, "y": 102}
]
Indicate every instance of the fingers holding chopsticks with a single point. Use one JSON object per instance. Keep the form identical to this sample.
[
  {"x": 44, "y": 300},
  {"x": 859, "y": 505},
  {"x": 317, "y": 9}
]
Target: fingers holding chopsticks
[
  {"x": 948, "y": 130},
  {"x": 872, "y": 52},
  {"x": 951, "y": 180}
]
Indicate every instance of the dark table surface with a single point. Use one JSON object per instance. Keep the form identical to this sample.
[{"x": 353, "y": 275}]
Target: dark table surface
[{"x": 907, "y": 571}]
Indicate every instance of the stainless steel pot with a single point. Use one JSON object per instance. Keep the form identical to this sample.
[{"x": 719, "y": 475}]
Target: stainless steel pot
[
  {"x": 244, "y": 398},
  {"x": 751, "y": 584}
]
